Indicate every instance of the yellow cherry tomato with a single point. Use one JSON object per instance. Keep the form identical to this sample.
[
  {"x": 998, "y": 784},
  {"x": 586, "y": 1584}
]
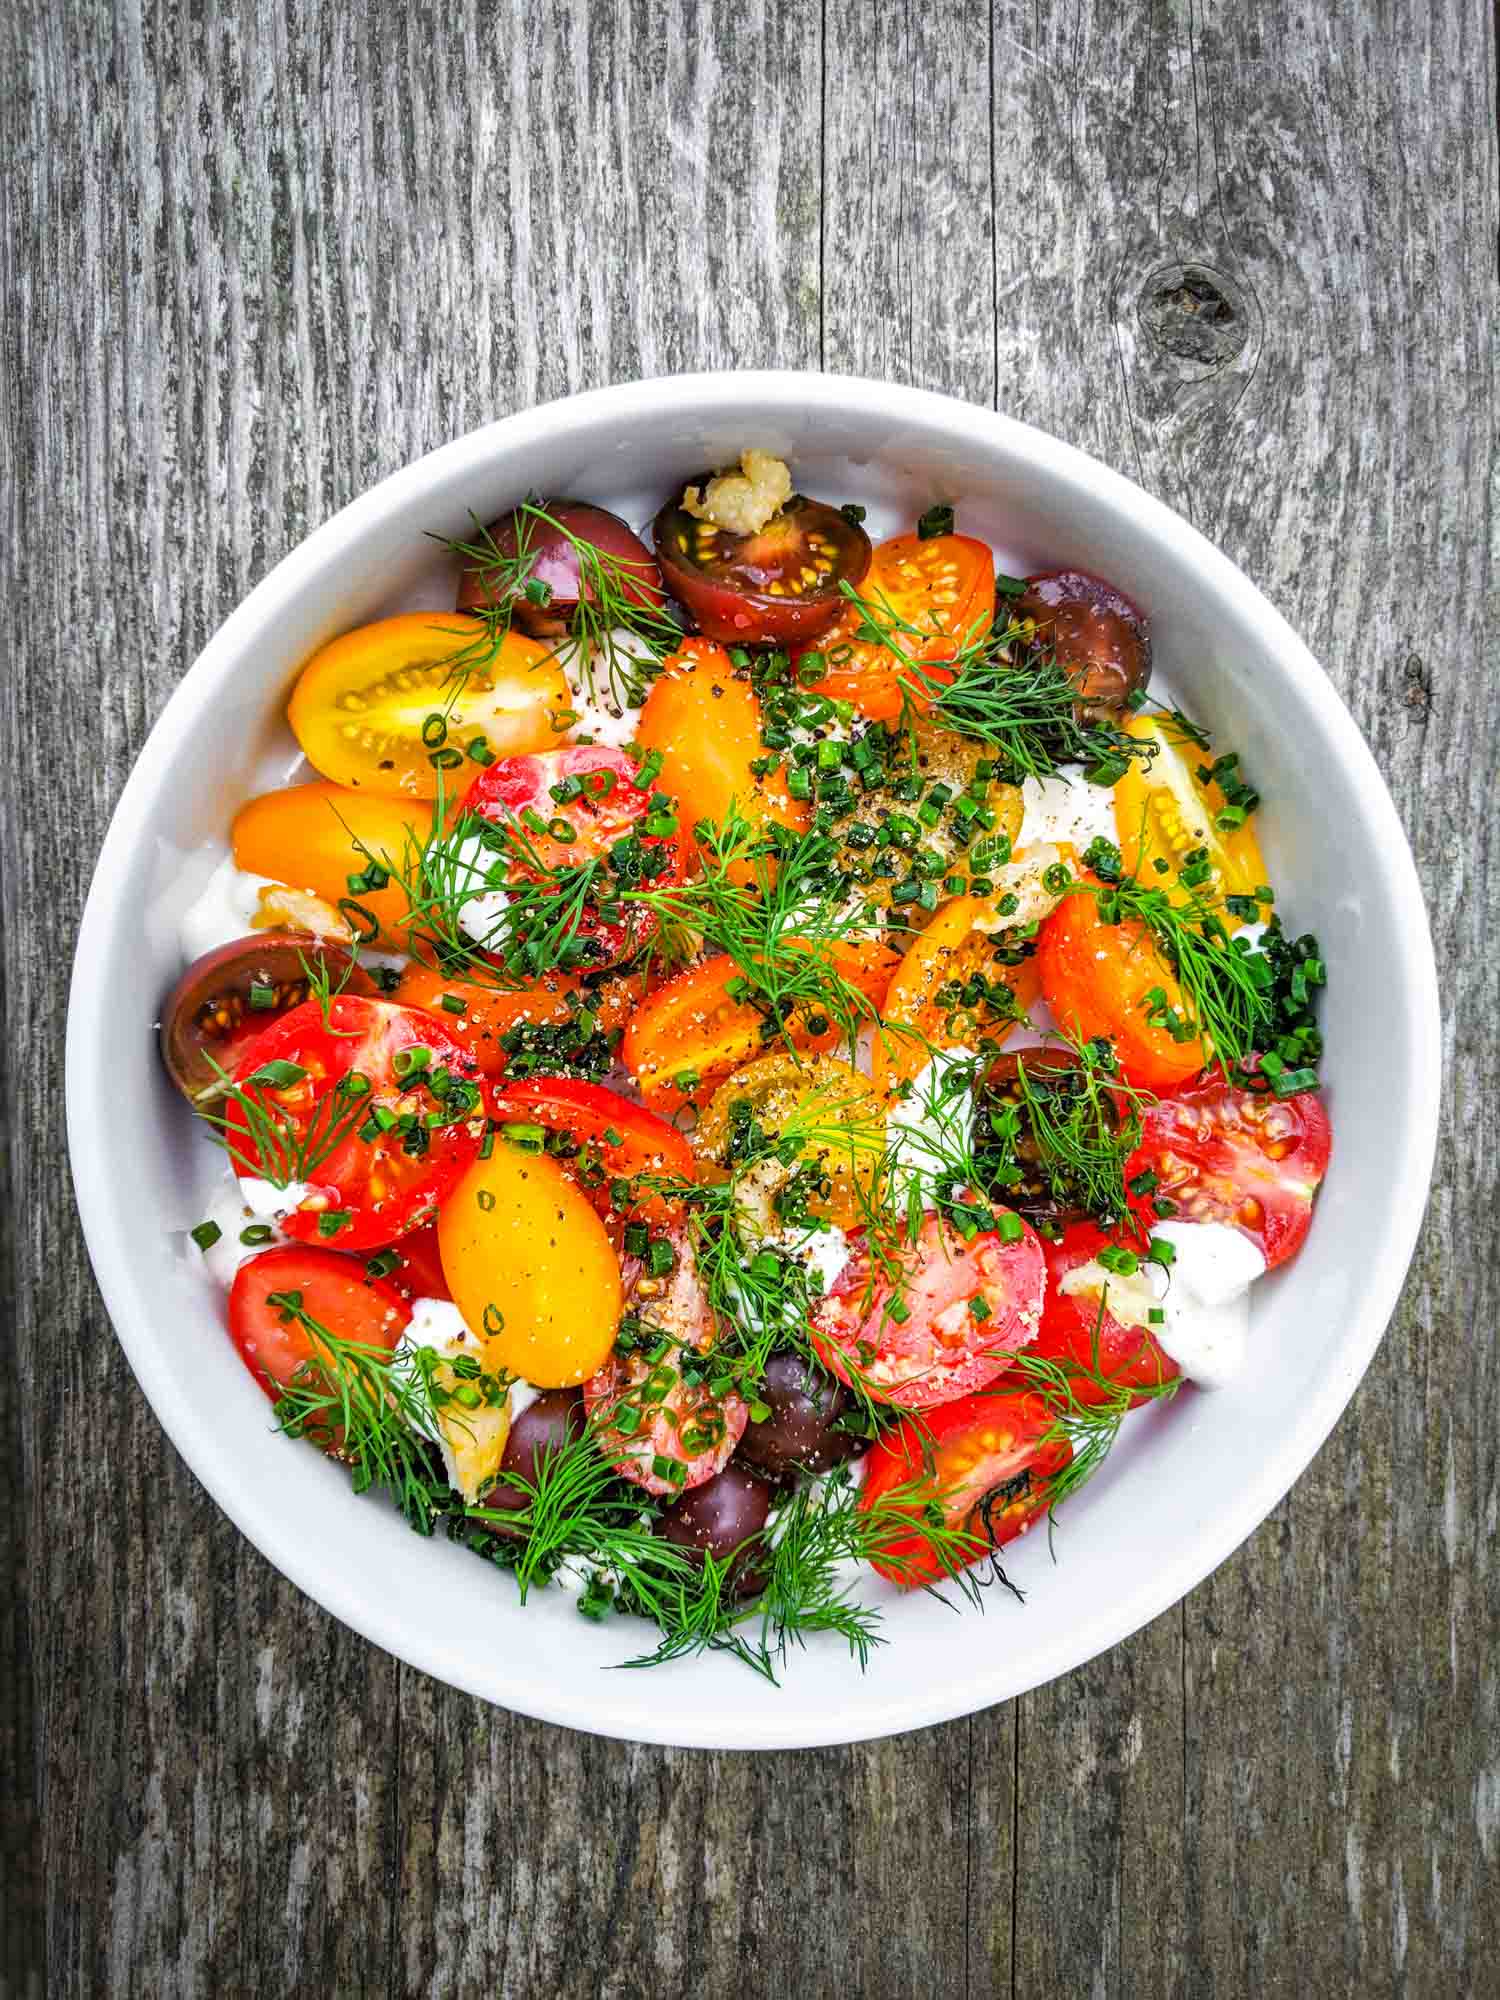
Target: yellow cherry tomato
[
  {"x": 315, "y": 837},
  {"x": 364, "y": 706},
  {"x": 531, "y": 1268},
  {"x": 831, "y": 1110},
  {"x": 1163, "y": 811},
  {"x": 705, "y": 721},
  {"x": 925, "y": 996}
]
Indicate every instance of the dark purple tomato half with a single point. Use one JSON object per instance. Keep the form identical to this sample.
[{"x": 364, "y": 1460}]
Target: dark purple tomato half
[
  {"x": 801, "y": 1434},
  {"x": 770, "y": 588},
  {"x": 1100, "y": 637},
  {"x": 539, "y": 562},
  {"x": 542, "y": 1430},
  {"x": 719, "y": 1518}
]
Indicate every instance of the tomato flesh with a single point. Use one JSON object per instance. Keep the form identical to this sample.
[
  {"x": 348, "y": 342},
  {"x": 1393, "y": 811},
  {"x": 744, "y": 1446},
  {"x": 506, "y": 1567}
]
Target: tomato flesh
[
  {"x": 1102, "y": 1354},
  {"x": 1240, "y": 1157},
  {"x": 763, "y": 589},
  {"x": 1097, "y": 979},
  {"x": 335, "y": 1291},
  {"x": 942, "y": 1349},
  {"x": 938, "y": 964},
  {"x": 380, "y": 1179},
  {"x": 1165, "y": 811},
  {"x": 988, "y": 1462},
  {"x": 618, "y": 1140}
]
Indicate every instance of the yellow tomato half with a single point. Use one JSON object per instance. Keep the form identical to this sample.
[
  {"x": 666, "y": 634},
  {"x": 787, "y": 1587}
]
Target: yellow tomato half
[
  {"x": 371, "y": 708},
  {"x": 705, "y": 721},
  {"x": 531, "y": 1268},
  {"x": 1163, "y": 811},
  {"x": 829, "y": 1109},
  {"x": 316, "y": 836}
]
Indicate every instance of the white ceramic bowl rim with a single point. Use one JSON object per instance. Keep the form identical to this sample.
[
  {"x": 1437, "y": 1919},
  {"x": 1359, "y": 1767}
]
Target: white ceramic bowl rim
[{"x": 91, "y": 1026}]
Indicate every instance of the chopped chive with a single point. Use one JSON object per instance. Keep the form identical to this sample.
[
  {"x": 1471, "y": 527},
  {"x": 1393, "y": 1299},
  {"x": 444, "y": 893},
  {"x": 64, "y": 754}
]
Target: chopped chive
[{"x": 206, "y": 1235}]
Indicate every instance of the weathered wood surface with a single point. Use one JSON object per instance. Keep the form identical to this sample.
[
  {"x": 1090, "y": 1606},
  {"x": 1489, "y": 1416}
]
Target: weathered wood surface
[{"x": 257, "y": 255}]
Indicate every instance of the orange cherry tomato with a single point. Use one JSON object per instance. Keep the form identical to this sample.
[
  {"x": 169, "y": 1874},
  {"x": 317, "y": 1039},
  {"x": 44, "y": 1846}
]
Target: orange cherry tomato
[
  {"x": 315, "y": 837},
  {"x": 953, "y": 949},
  {"x": 1096, "y": 978},
  {"x": 531, "y": 1267},
  {"x": 944, "y": 586},
  {"x": 488, "y": 1012},
  {"x": 704, "y": 720},
  {"x": 363, "y": 705},
  {"x": 694, "y": 1026}
]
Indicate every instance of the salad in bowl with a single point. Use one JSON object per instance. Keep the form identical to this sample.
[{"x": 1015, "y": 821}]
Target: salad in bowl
[{"x": 746, "y": 1050}]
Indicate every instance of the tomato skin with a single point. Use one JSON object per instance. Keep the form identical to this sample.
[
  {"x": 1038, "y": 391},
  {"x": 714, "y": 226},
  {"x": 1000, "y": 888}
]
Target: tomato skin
[
  {"x": 1095, "y": 978},
  {"x": 642, "y": 1142},
  {"x": 955, "y": 1457},
  {"x": 941, "y": 1351},
  {"x": 951, "y": 948},
  {"x": 749, "y": 590},
  {"x": 335, "y": 1291},
  {"x": 945, "y": 585},
  {"x": 360, "y": 702},
  {"x": 1240, "y": 1157},
  {"x": 312, "y": 837},
  {"x": 1099, "y": 636},
  {"x": 419, "y": 1273},
  {"x": 555, "y": 561},
  {"x": 520, "y": 1244},
  {"x": 705, "y": 720},
  {"x": 383, "y": 1190},
  {"x": 693, "y": 1024},
  {"x": 1075, "y": 1334},
  {"x": 1164, "y": 811},
  {"x": 513, "y": 785}
]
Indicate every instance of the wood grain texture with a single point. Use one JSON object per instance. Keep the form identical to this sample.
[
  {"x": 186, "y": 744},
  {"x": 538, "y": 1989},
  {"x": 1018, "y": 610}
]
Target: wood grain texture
[{"x": 260, "y": 254}]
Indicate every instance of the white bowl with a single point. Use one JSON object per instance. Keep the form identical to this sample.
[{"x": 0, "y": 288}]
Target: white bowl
[{"x": 1188, "y": 1481}]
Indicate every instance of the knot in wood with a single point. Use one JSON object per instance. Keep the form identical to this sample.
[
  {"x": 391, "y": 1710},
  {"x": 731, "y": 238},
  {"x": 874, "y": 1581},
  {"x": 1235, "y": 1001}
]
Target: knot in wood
[{"x": 1196, "y": 315}]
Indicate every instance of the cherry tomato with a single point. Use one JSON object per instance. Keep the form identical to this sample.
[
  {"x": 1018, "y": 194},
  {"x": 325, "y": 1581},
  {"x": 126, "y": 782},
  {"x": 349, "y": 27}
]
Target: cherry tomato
[
  {"x": 418, "y": 1271},
  {"x": 658, "y": 1428},
  {"x": 703, "y": 719},
  {"x": 944, "y": 586},
  {"x": 1082, "y": 1333},
  {"x": 1165, "y": 811},
  {"x": 573, "y": 547},
  {"x": 1240, "y": 1157},
  {"x": 228, "y": 996},
  {"x": 1097, "y": 979},
  {"x": 531, "y": 1267},
  {"x": 479, "y": 1016},
  {"x": 719, "y": 1518},
  {"x": 1056, "y": 1082},
  {"x": 762, "y": 589},
  {"x": 695, "y": 1027},
  {"x": 989, "y": 1462},
  {"x": 370, "y": 709},
  {"x": 315, "y": 837},
  {"x": 616, "y": 1139},
  {"x": 943, "y": 991},
  {"x": 394, "y": 1166},
  {"x": 335, "y": 1291},
  {"x": 835, "y": 1116},
  {"x": 602, "y": 804},
  {"x": 1100, "y": 637},
  {"x": 942, "y": 1349}
]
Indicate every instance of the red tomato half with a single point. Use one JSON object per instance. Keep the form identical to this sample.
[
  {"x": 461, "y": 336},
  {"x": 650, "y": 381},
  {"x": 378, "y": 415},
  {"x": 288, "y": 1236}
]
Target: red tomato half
[
  {"x": 1240, "y": 1157},
  {"x": 662, "y": 1432},
  {"x": 1081, "y": 1333},
  {"x": 419, "y": 1265},
  {"x": 607, "y": 807},
  {"x": 988, "y": 1462},
  {"x": 943, "y": 1348},
  {"x": 334, "y": 1290},
  {"x": 619, "y": 1139},
  {"x": 359, "y": 1077}
]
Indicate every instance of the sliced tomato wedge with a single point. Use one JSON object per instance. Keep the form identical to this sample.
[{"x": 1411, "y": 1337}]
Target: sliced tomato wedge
[
  {"x": 943, "y": 586},
  {"x": 961, "y": 1310},
  {"x": 585, "y": 803},
  {"x": 697, "y": 1029},
  {"x": 335, "y": 1291},
  {"x": 1240, "y": 1157},
  {"x": 370, "y": 1106},
  {"x": 616, "y": 1139},
  {"x": 762, "y": 589},
  {"x": 416, "y": 1264},
  {"x": 987, "y": 1462},
  {"x": 659, "y": 1428},
  {"x": 928, "y": 993},
  {"x": 1103, "y": 1351},
  {"x": 480, "y": 1017}
]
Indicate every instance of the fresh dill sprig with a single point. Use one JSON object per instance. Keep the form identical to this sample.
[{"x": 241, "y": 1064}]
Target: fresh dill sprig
[
  {"x": 1060, "y": 1135},
  {"x": 278, "y": 1141}
]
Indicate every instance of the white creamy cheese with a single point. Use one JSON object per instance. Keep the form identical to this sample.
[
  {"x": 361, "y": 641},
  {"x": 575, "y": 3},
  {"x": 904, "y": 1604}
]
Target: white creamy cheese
[
  {"x": 822, "y": 1253},
  {"x": 927, "y": 1128},
  {"x": 230, "y": 1208},
  {"x": 1066, "y": 807},
  {"x": 270, "y": 1203},
  {"x": 1204, "y": 1297},
  {"x": 600, "y": 714},
  {"x": 222, "y": 910},
  {"x": 472, "y": 1440}
]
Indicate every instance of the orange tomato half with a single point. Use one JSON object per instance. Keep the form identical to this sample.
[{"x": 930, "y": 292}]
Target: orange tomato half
[
  {"x": 705, "y": 722},
  {"x": 952, "y": 949},
  {"x": 488, "y": 1012},
  {"x": 1096, "y": 978},
  {"x": 943, "y": 586},
  {"x": 316, "y": 836},
  {"x": 373, "y": 708}
]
